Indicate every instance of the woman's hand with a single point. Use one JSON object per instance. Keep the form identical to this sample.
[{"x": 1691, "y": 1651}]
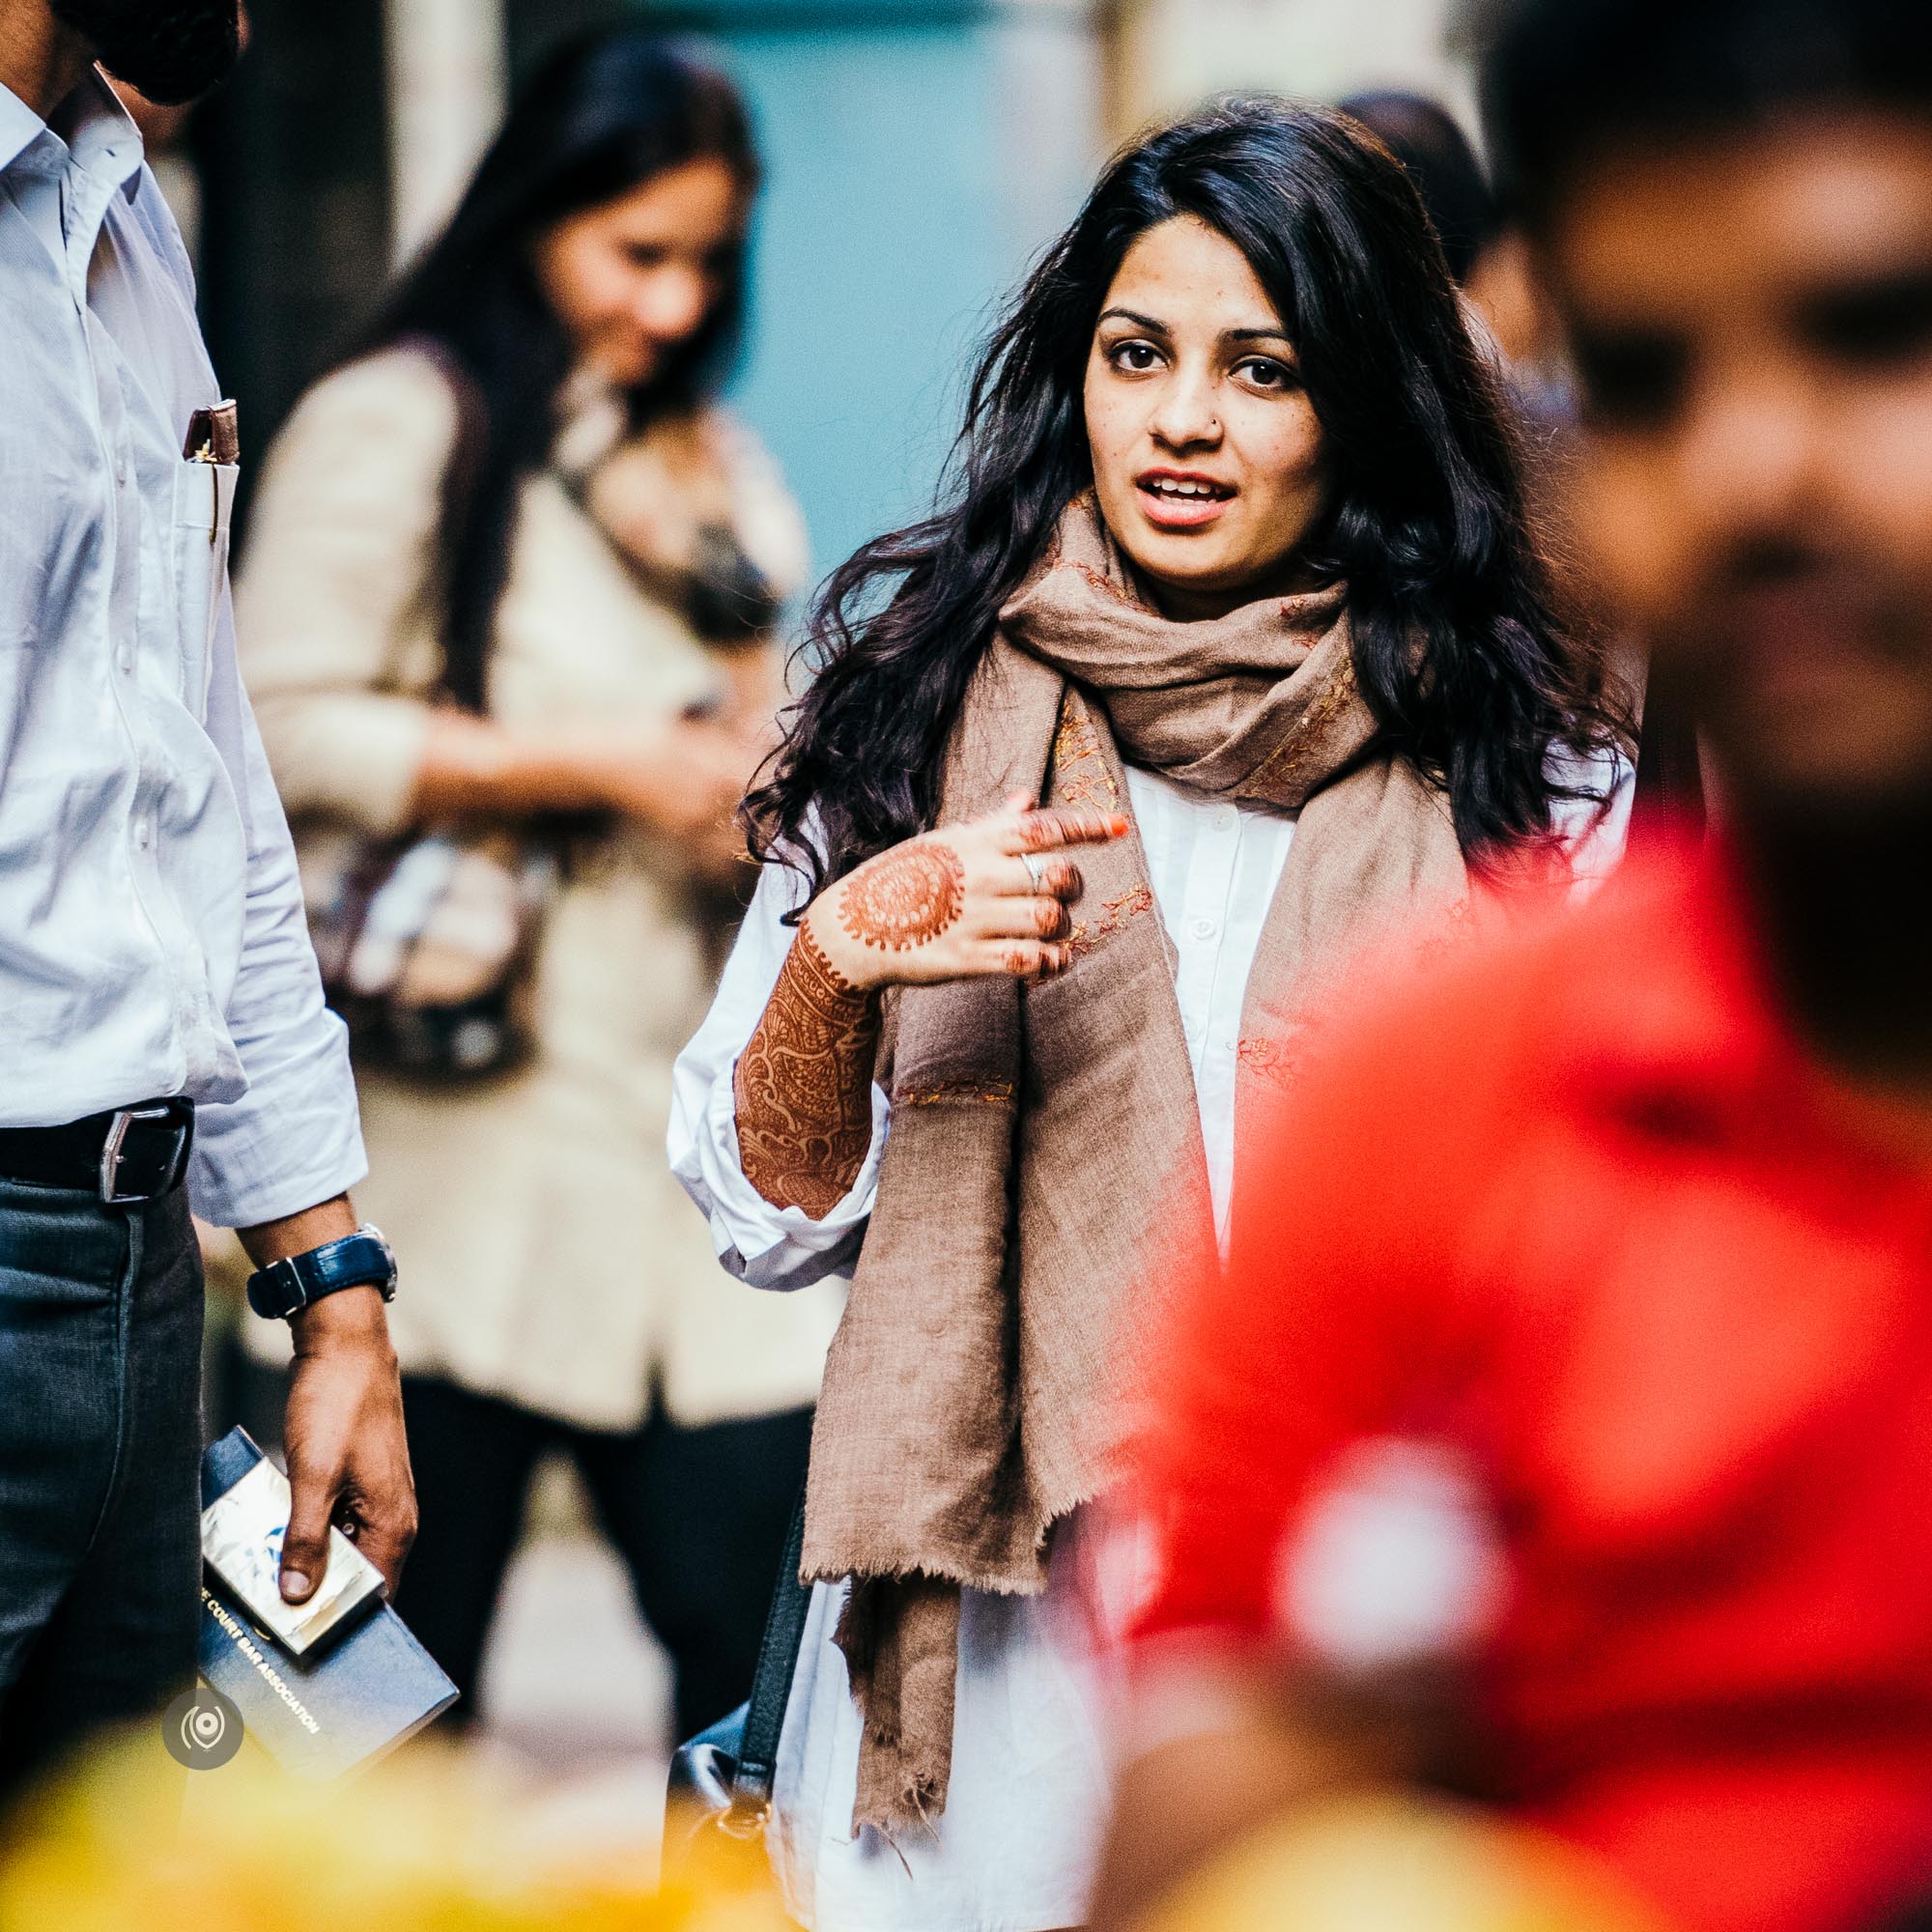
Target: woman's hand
[
  {"x": 967, "y": 901},
  {"x": 683, "y": 778}
]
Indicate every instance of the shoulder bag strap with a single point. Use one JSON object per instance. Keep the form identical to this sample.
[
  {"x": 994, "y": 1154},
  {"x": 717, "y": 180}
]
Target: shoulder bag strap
[{"x": 771, "y": 1685}]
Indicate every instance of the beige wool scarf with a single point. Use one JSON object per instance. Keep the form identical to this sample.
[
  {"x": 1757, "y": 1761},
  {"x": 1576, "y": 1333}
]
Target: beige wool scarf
[{"x": 1045, "y": 1141}]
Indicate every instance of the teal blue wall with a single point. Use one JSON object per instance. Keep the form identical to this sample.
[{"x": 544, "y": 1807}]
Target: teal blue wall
[{"x": 918, "y": 156}]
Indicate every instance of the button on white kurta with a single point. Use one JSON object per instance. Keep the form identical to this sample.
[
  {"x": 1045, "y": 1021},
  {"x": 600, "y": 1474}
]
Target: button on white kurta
[
  {"x": 1226, "y": 819},
  {"x": 1204, "y": 928},
  {"x": 143, "y": 832}
]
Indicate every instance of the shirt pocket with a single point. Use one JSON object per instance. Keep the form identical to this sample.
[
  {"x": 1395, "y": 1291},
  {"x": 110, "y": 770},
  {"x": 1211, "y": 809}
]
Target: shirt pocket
[{"x": 204, "y": 502}]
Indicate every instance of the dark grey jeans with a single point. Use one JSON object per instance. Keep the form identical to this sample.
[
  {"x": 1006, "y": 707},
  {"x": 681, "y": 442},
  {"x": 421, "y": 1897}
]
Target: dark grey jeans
[{"x": 100, "y": 1459}]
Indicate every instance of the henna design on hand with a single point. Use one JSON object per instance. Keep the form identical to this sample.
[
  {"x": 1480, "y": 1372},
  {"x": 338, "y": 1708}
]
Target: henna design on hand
[
  {"x": 804, "y": 1085},
  {"x": 904, "y": 899},
  {"x": 1044, "y": 962},
  {"x": 1054, "y": 825}
]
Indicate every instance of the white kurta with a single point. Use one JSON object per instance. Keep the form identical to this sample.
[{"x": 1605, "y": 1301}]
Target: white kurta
[{"x": 1013, "y": 1850}]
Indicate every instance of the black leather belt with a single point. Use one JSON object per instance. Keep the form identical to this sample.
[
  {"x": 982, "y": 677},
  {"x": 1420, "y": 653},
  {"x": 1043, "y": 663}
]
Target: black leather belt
[{"x": 128, "y": 1156}]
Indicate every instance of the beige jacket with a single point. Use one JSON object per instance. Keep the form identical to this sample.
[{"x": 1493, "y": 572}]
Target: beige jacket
[{"x": 547, "y": 1255}]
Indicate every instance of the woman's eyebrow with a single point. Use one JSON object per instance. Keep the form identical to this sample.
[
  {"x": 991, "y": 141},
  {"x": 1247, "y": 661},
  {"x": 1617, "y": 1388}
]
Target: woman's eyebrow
[
  {"x": 1155, "y": 326},
  {"x": 1146, "y": 322}
]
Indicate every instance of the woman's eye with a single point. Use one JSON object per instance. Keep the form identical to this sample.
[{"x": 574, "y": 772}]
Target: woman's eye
[
  {"x": 647, "y": 254},
  {"x": 1136, "y": 358},
  {"x": 1264, "y": 373}
]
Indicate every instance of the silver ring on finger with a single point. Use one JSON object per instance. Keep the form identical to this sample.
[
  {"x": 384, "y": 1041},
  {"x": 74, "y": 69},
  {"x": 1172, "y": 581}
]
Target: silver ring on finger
[{"x": 1036, "y": 872}]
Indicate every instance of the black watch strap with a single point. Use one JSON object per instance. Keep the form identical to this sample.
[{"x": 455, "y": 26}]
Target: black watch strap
[{"x": 361, "y": 1260}]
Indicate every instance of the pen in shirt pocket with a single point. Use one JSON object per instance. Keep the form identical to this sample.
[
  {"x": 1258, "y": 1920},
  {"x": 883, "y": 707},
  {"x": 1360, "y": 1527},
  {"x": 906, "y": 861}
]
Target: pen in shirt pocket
[{"x": 213, "y": 434}]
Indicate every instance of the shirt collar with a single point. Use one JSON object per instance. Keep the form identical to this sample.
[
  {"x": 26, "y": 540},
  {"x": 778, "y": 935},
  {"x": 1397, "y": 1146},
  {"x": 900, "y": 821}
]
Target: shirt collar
[
  {"x": 102, "y": 136},
  {"x": 20, "y": 126}
]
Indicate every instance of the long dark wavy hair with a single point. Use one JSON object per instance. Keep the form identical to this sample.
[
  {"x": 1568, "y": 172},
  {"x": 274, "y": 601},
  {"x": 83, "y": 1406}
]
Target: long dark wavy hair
[
  {"x": 604, "y": 115},
  {"x": 1458, "y": 647}
]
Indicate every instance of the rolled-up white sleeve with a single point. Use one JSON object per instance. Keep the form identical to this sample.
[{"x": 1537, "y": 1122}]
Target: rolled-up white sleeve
[
  {"x": 766, "y": 1246},
  {"x": 295, "y": 1138},
  {"x": 1594, "y": 826}
]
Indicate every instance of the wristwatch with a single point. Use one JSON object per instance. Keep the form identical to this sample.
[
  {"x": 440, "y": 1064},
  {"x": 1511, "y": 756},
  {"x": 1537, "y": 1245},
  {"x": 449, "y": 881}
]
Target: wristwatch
[{"x": 361, "y": 1260}]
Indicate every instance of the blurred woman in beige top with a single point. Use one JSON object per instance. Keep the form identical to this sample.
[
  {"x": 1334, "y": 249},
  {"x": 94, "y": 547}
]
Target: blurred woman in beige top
[{"x": 510, "y": 565}]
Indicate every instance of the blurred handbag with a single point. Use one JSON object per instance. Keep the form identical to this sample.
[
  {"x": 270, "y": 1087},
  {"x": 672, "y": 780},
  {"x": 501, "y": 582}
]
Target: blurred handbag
[
  {"x": 720, "y": 1780},
  {"x": 428, "y": 944}
]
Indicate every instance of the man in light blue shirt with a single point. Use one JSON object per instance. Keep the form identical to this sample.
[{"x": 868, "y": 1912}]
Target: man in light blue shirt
[{"x": 162, "y": 1032}]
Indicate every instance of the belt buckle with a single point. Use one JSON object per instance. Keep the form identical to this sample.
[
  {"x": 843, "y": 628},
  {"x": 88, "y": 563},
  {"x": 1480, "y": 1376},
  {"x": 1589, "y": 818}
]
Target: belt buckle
[{"x": 180, "y": 1114}]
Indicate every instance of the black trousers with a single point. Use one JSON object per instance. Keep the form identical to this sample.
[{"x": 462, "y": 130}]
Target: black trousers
[
  {"x": 697, "y": 1515},
  {"x": 100, "y": 1466}
]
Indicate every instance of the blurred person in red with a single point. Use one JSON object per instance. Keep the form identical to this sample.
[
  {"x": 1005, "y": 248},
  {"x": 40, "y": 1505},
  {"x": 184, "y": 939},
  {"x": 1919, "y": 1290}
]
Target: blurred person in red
[{"x": 1562, "y": 1424}]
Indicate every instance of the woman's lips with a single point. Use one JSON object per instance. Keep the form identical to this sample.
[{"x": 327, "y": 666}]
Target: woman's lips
[{"x": 1173, "y": 499}]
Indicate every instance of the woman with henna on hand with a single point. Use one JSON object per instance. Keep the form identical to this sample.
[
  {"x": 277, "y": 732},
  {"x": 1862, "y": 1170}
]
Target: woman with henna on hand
[{"x": 1230, "y": 641}]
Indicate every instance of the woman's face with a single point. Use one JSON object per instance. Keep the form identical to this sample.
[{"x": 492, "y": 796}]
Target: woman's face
[
  {"x": 1207, "y": 460},
  {"x": 635, "y": 277}
]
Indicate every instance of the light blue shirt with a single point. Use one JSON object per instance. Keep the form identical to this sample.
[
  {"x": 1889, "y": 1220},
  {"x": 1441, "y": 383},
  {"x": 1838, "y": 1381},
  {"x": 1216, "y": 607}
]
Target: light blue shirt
[{"x": 152, "y": 936}]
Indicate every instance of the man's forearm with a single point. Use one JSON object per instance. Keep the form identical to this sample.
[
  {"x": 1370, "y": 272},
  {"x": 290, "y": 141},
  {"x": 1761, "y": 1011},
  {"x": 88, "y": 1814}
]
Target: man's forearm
[
  {"x": 354, "y": 1316},
  {"x": 343, "y": 1424},
  {"x": 295, "y": 1234}
]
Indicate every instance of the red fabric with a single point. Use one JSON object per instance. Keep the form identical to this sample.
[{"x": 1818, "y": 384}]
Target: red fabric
[{"x": 1585, "y": 1212}]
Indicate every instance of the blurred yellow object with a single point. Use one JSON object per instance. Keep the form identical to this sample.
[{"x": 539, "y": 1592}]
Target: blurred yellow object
[
  {"x": 1400, "y": 1864},
  {"x": 424, "y": 1844}
]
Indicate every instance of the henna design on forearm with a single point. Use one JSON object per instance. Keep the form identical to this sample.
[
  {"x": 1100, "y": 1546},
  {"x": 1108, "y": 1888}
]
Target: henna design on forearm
[
  {"x": 906, "y": 898},
  {"x": 804, "y": 1085}
]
